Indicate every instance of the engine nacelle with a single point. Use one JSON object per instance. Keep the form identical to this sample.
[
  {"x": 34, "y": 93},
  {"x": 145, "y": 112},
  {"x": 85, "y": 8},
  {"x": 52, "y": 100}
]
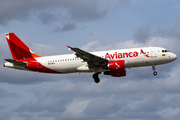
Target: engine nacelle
[
  {"x": 117, "y": 68},
  {"x": 116, "y": 65}
]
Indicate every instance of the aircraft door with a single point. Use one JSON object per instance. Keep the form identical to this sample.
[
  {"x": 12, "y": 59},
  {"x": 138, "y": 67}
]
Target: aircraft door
[{"x": 153, "y": 52}]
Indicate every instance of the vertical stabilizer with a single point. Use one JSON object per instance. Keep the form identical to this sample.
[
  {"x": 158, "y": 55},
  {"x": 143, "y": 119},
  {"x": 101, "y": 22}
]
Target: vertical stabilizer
[{"x": 18, "y": 49}]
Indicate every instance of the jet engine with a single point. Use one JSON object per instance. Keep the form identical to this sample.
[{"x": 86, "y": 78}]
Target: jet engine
[{"x": 117, "y": 68}]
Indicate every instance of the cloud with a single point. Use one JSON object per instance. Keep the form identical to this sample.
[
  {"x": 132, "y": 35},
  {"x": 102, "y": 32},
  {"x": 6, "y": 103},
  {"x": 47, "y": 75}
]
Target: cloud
[
  {"x": 68, "y": 26},
  {"x": 75, "y": 109},
  {"x": 5, "y": 116},
  {"x": 87, "y": 10},
  {"x": 172, "y": 31},
  {"x": 111, "y": 99},
  {"x": 65, "y": 27},
  {"x": 175, "y": 29},
  {"x": 153, "y": 41},
  {"x": 47, "y": 17},
  {"x": 53, "y": 13},
  {"x": 123, "y": 2},
  {"x": 142, "y": 33},
  {"x": 4, "y": 94},
  {"x": 172, "y": 84}
]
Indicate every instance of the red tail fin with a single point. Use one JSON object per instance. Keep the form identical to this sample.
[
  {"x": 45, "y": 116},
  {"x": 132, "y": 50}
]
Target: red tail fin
[{"x": 18, "y": 49}]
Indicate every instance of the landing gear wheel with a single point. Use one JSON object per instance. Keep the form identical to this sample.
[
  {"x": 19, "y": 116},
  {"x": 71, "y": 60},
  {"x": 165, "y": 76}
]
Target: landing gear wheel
[
  {"x": 154, "y": 73},
  {"x": 96, "y": 78}
]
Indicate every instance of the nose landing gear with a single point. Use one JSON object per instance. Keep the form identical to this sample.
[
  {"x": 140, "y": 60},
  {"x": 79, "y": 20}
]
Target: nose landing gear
[
  {"x": 154, "y": 73},
  {"x": 96, "y": 77}
]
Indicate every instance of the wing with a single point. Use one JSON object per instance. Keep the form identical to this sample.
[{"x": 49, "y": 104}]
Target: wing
[
  {"x": 16, "y": 62},
  {"x": 92, "y": 60}
]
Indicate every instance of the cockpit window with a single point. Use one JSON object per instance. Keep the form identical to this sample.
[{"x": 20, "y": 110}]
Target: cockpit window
[{"x": 165, "y": 51}]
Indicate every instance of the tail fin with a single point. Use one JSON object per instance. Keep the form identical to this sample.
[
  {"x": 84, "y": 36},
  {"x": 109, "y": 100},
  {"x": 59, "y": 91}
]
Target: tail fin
[{"x": 18, "y": 49}]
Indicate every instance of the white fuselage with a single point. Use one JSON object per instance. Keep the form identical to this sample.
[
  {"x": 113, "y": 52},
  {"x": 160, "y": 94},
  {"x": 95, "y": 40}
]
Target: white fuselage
[{"x": 151, "y": 56}]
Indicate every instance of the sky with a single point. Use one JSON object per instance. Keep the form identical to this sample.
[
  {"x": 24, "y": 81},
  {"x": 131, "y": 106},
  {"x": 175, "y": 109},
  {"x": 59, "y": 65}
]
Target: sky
[{"x": 47, "y": 27}]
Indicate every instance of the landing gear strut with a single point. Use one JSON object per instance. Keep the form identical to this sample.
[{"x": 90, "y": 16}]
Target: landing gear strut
[
  {"x": 154, "y": 73},
  {"x": 96, "y": 77}
]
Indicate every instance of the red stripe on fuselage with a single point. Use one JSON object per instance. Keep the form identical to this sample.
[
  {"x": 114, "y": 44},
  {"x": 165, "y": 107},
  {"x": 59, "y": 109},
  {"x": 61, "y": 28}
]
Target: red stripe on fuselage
[{"x": 34, "y": 65}]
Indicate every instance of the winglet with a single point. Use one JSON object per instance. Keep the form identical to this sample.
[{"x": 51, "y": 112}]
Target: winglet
[{"x": 69, "y": 47}]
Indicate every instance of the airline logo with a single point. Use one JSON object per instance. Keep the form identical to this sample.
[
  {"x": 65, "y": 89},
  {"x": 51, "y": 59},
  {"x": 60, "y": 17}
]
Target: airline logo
[
  {"x": 121, "y": 55},
  {"x": 144, "y": 53},
  {"x": 118, "y": 66}
]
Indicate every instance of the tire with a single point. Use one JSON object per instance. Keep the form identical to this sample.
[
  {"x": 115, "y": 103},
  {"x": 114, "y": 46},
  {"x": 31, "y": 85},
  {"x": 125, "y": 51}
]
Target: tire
[
  {"x": 96, "y": 78},
  {"x": 154, "y": 73}
]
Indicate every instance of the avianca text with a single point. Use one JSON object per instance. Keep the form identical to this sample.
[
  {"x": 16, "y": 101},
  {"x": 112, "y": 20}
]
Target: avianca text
[{"x": 121, "y": 55}]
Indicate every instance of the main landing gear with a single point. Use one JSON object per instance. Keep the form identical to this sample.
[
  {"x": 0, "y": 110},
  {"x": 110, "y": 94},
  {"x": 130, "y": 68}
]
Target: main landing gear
[
  {"x": 154, "y": 73},
  {"x": 96, "y": 77}
]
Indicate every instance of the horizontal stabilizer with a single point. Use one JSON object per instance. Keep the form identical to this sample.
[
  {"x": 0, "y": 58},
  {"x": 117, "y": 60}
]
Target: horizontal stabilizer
[{"x": 16, "y": 62}]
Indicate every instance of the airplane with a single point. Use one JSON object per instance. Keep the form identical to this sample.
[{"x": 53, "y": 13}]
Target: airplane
[{"x": 110, "y": 62}]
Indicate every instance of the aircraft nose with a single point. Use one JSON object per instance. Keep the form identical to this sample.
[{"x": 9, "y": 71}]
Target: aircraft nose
[{"x": 174, "y": 56}]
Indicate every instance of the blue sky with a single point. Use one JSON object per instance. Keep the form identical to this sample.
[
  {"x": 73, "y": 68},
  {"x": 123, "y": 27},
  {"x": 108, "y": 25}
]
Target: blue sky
[{"x": 47, "y": 27}]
